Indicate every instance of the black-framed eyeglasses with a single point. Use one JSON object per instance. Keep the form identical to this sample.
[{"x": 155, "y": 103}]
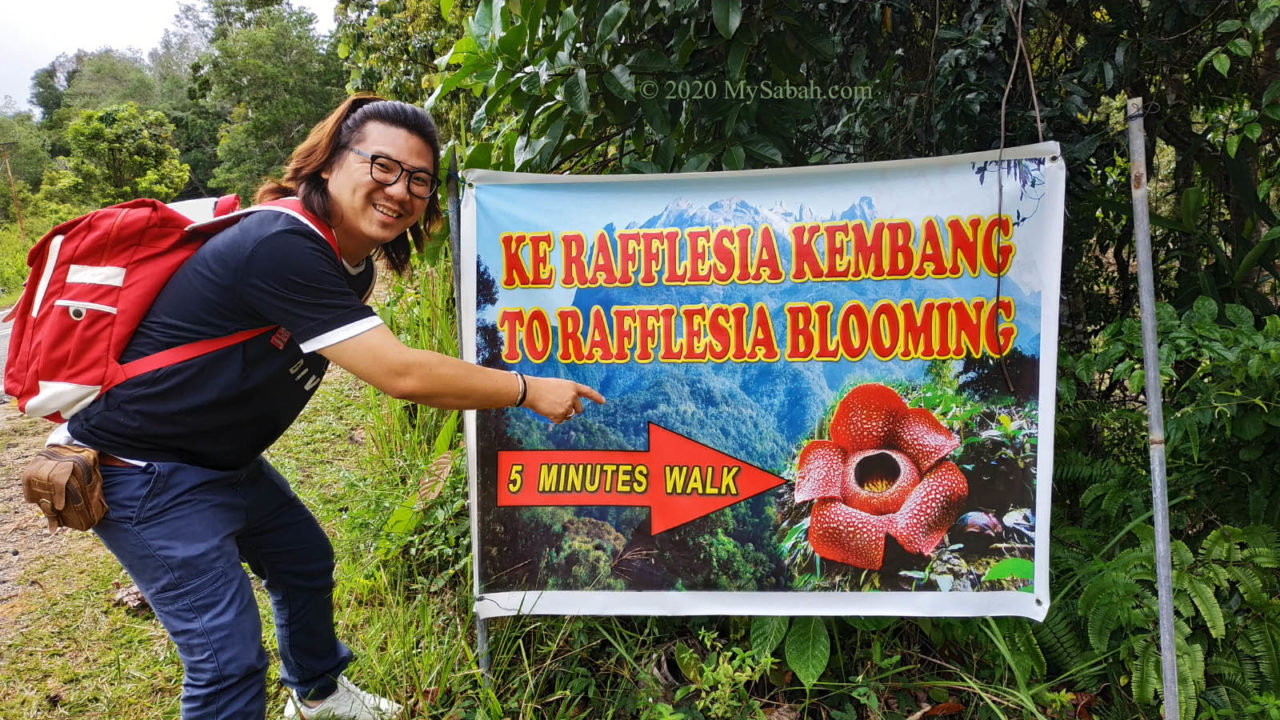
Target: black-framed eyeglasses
[{"x": 387, "y": 171}]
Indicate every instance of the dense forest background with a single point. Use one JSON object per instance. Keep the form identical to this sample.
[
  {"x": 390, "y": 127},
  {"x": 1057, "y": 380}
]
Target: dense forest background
[{"x": 563, "y": 86}]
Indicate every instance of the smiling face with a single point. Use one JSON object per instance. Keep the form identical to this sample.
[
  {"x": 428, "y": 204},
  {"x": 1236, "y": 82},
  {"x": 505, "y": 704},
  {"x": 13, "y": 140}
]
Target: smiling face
[{"x": 366, "y": 213}]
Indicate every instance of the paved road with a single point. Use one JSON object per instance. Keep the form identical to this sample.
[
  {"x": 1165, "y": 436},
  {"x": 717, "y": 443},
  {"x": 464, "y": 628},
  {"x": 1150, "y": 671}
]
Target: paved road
[{"x": 5, "y": 328}]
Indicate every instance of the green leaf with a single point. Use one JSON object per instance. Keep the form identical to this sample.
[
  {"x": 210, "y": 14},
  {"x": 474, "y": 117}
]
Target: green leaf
[
  {"x": 656, "y": 115},
  {"x": 688, "y": 662},
  {"x": 760, "y": 147},
  {"x": 1261, "y": 19},
  {"x": 451, "y": 81},
  {"x": 1233, "y": 144},
  {"x": 698, "y": 163},
  {"x": 619, "y": 82},
  {"x": 665, "y": 154},
  {"x": 568, "y": 21},
  {"x": 611, "y": 21},
  {"x": 445, "y": 438},
  {"x": 726, "y": 14},
  {"x": 808, "y": 649},
  {"x": 1273, "y": 92},
  {"x": 734, "y": 157},
  {"x": 1252, "y": 131},
  {"x": 480, "y": 118},
  {"x": 1248, "y": 426},
  {"x": 643, "y": 167},
  {"x": 482, "y": 21},
  {"x": 1013, "y": 567},
  {"x": 1191, "y": 202},
  {"x": 649, "y": 60},
  {"x": 1222, "y": 64},
  {"x": 1229, "y": 26},
  {"x": 446, "y": 7},
  {"x": 479, "y": 156},
  {"x": 1251, "y": 258},
  {"x": 736, "y": 59},
  {"x": 459, "y": 54},
  {"x": 1239, "y": 315},
  {"x": 1137, "y": 380},
  {"x": 1241, "y": 47},
  {"x": 1204, "y": 310},
  {"x": 767, "y": 632},
  {"x": 575, "y": 92},
  {"x": 511, "y": 43}
]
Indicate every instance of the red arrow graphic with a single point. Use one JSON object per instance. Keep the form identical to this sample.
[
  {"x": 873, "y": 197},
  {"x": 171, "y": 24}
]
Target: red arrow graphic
[{"x": 678, "y": 479}]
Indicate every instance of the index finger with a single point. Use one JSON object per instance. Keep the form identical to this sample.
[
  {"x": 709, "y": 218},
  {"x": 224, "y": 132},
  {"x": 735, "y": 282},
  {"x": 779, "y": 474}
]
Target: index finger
[{"x": 589, "y": 392}]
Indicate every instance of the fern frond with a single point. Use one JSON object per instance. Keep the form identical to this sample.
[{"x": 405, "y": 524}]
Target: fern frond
[
  {"x": 1180, "y": 554},
  {"x": 1190, "y": 678},
  {"x": 1219, "y": 698},
  {"x": 1071, "y": 467},
  {"x": 1146, "y": 669},
  {"x": 1092, "y": 492},
  {"x": 1059, "y": 639},
  {"x": 1249, "y": 582},
  {"x": 1263, "y": 557},
  {"x": 1234, "y": 673},
  {"x": 1202, "y": 595},
  {"x": 1218, "y": 544},
  {"x": 1027, "y": 649},
  {"x": 1262, "y": 536},
  {"x": 1261, "y": 640}
]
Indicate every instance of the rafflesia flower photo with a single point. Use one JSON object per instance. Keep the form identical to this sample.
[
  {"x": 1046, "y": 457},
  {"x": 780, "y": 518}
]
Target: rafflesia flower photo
[{"x": 882, "y": 473}]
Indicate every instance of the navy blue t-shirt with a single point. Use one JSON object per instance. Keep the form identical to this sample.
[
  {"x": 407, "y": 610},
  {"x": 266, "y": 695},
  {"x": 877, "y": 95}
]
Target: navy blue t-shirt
[{"x": 221, "y": 410}]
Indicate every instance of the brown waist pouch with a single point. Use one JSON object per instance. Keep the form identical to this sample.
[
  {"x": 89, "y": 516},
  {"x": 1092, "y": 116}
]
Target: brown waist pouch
[{"x": 65, "y": 482}]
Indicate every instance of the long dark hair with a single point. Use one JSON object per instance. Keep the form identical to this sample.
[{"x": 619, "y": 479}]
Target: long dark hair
[{"x": 332, "y": 137}]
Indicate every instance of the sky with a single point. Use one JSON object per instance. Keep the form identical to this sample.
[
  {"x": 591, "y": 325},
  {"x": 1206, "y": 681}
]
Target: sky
[{"x": 34, "y": 32}]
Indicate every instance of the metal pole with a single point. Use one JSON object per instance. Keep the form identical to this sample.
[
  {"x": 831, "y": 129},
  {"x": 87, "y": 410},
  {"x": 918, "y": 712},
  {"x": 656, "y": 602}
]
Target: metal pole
[
  {"x": 455, "y": 250},
  {"x": 4, "y": 147},
  {"x": 455, "y": 239},
  {"x": 1155, "y": 410}
]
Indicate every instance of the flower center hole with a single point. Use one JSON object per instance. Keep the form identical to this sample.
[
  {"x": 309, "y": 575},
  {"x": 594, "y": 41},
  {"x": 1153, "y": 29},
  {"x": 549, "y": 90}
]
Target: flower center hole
[{"x": 877, "y": 473}]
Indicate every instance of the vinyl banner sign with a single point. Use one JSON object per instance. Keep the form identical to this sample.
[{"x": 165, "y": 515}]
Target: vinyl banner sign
[{"x": 830, "y": 390}]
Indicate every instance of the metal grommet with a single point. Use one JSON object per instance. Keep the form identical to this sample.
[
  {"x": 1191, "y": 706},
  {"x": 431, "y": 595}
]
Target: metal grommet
[{"x": 76, "y": 313}]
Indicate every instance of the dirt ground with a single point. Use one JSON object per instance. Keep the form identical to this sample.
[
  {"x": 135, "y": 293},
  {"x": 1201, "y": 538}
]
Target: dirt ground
[{"x": 24, "y": 533}]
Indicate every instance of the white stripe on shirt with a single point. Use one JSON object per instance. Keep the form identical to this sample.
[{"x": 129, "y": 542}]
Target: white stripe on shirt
[{"x": 337, "y": 335}]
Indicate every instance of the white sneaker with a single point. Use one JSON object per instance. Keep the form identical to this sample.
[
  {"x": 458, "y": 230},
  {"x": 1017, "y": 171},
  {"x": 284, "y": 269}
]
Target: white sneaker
[{"x": 347, "y": 703}]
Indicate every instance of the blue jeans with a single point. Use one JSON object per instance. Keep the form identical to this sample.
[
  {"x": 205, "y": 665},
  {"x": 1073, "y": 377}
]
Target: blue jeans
[{"x": 182, "y": 531}]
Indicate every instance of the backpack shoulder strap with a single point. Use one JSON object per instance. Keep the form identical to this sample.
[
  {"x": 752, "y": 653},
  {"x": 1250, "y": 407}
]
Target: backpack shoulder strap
[
  {"x": 289, "y": 206},
  {"x": 224, "y": 216},
  {"x": 181, "y": 353}
]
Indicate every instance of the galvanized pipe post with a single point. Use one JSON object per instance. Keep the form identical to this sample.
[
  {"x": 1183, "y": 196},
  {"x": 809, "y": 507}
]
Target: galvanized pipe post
[
  {"x": 1155, "y": 410},
  {"x": 454, "y": 183}
]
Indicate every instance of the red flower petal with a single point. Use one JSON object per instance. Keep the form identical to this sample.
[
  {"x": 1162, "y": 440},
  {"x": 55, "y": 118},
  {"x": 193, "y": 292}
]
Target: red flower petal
[
  {"x": 841, "y": 534},
  {"x": 931, "y": 509},
  {"x": 864, "y": 417},
  {"x": 879, "y": 481},
  {"x": 821, "y": 471},
  {"x": 918, "y": 433}
]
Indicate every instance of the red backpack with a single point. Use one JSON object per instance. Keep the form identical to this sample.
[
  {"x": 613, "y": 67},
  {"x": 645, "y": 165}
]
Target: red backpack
[{"x": 92, "y": 281}]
